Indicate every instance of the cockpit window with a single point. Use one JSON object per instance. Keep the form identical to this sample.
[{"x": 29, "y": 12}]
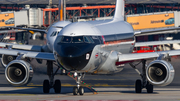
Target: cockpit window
[
  {"x": 58, "y": 39},
  {"x": 66, "y": 39},
  {"x": 54, "y": 33},
  {"x": 88, "y": 39},
  {"x": 78, "y": 39}
]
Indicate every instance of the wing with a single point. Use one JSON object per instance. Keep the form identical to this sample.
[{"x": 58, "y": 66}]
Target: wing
[
  {"x": 30, "y": 54},
  {"x": 30, "y": 29},
  {"x": 145, "y": 56},
  {"x": 138, "y": 44},
  {"x": 38, "y": 52},
  {"x": 21, "y": 47},
  {"x": 157, "y": 31},
  {"x": 149, "y": 55}
]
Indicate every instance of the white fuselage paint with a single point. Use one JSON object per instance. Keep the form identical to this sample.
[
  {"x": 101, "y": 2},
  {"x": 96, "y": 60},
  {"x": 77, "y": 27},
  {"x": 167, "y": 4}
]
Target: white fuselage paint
[
  {"x": 51, "y": 37},
  {"x": 106, "y": 61},
  {"x": 107, "y": 52}
]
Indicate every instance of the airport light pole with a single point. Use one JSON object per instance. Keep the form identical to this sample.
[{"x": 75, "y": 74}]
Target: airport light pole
[
  {"x": 62, "y": 10},
  {"x": 50, "y": 3}
]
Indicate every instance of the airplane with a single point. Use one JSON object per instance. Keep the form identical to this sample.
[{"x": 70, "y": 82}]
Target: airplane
[
  {"x": 98, "y": 47},
  {"x": 52, "y": 32}
]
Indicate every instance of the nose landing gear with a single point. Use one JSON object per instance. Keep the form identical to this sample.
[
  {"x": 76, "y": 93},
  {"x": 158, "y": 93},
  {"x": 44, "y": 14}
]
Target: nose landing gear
[{"x": 78, "y": 89}]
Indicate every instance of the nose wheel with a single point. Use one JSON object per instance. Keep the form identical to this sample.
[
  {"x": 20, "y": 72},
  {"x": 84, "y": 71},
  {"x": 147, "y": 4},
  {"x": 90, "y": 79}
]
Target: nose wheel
[
  {"x": 78, "y": 89},
  {"x": 75, "y": 90},
  {"x": 81, "y": 91}
]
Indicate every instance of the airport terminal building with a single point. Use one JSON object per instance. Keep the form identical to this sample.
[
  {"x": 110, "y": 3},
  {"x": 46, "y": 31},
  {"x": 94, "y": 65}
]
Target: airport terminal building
[
  {"x": 98, "y": 8},
  {"x": 132, "y": 6},
  {"x": 43, "y": 16}
]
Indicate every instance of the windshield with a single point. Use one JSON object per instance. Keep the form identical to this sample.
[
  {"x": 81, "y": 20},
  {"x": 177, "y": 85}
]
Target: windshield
[
  {"x": 66, "y": 39},
  {"x": 76, "y": 39}
]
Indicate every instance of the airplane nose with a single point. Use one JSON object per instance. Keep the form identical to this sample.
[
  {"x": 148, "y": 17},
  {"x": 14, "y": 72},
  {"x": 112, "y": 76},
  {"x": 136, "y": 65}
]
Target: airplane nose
[
  {"x": 73, "y": 63},
  {"x": 71, "y": 51},
  {"x": 72, "y": 58}
]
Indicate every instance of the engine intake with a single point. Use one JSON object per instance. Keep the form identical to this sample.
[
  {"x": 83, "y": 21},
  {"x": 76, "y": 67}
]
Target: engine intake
[
  {"x": 160, "y": 73},
  {"x": 6, "y": 59},
  {"x": 18, "y": 72}
]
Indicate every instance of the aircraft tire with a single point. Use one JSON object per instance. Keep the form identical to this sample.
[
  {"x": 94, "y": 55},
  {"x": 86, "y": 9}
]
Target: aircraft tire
[
  {"x": 57, "y": 86},
  {"x": 75, "y": 90},
  {"x": 149, "y": 88},
  {"x": 81, "y": 91},
  {"x": 138, "y": 86},
  {"x": 46, "y": 86}
]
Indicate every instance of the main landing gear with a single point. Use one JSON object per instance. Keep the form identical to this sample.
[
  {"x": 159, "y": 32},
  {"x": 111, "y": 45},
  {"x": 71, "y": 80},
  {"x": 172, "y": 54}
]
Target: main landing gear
[
  {"x": 140, "y": 84},
  {"x": 48, "y": 84},
  {"x": 78, "y": 89}
]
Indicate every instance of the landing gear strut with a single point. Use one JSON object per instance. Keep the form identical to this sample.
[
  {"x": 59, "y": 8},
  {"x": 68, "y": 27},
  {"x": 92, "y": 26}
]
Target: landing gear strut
[
  {"x": 78, "y": 89},
  {"x": 140, "y": 84},
  {"x": 48, "y": 84}
]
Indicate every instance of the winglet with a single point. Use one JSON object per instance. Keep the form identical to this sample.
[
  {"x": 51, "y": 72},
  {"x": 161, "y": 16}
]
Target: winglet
[{"x": 119, "y": 11}]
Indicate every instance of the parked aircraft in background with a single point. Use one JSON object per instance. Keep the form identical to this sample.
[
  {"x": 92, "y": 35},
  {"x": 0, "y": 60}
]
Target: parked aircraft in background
[{"x": 90, "y": 47}]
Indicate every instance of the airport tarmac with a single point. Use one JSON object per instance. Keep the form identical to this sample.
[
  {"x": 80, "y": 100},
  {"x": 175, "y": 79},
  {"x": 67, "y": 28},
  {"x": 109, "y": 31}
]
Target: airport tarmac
[
  {"x": 119, "y": 86},
  {"x": 107, "y": 93}
]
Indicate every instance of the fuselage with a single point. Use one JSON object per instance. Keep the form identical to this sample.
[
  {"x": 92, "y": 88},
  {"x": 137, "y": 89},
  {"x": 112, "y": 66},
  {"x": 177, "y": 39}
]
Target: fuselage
[
  {"x": 87, "y": 46},
  {"x": 92, "y": 46},
  {"x": 52, "y": 33}
]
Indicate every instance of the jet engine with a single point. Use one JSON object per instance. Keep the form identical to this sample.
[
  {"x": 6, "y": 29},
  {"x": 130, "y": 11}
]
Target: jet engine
[
  {"x": 18, "y": 72},
  {"x": 7, "y": 59},
  {"x": 160, "y": 73}
]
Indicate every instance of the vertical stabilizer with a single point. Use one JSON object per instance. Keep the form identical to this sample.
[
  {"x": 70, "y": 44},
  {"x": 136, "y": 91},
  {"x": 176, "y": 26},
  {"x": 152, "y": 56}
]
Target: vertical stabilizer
[{"x": 119, "y": 11}]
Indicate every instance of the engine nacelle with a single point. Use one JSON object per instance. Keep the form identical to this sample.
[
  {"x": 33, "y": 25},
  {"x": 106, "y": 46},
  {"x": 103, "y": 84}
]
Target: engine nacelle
[
  {"x": 6, "y": 59},
  {"x": 160, "y": 73},
  {"x": 18, "y": 72}
]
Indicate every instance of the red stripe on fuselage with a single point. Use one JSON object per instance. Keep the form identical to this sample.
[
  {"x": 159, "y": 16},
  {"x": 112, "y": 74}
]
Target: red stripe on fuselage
[{"x": 117, "y": 42}]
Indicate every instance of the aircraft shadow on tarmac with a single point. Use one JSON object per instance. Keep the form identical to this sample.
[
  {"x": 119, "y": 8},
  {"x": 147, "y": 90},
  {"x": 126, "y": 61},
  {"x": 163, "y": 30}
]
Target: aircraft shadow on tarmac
[
  {"x": 38, "y": 90},
  {"x": 64, "y": 90}
]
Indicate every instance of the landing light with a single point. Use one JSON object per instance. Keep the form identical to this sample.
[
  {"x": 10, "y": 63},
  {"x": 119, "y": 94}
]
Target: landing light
[
  {"x": 75, "y": 74},
  {"x": 87, "y": 56}
]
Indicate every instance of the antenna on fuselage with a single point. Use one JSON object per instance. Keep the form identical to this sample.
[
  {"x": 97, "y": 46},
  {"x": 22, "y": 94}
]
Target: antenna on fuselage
[{"x": 119, "y": 10}]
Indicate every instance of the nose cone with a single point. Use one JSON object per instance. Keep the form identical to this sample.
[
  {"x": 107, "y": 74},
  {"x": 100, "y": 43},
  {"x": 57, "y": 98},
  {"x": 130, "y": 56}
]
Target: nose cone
[
  {"x": 73, "y": 57},
  {"x": 73, "y": 63},
  {"x": 70, "y": 51}
]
